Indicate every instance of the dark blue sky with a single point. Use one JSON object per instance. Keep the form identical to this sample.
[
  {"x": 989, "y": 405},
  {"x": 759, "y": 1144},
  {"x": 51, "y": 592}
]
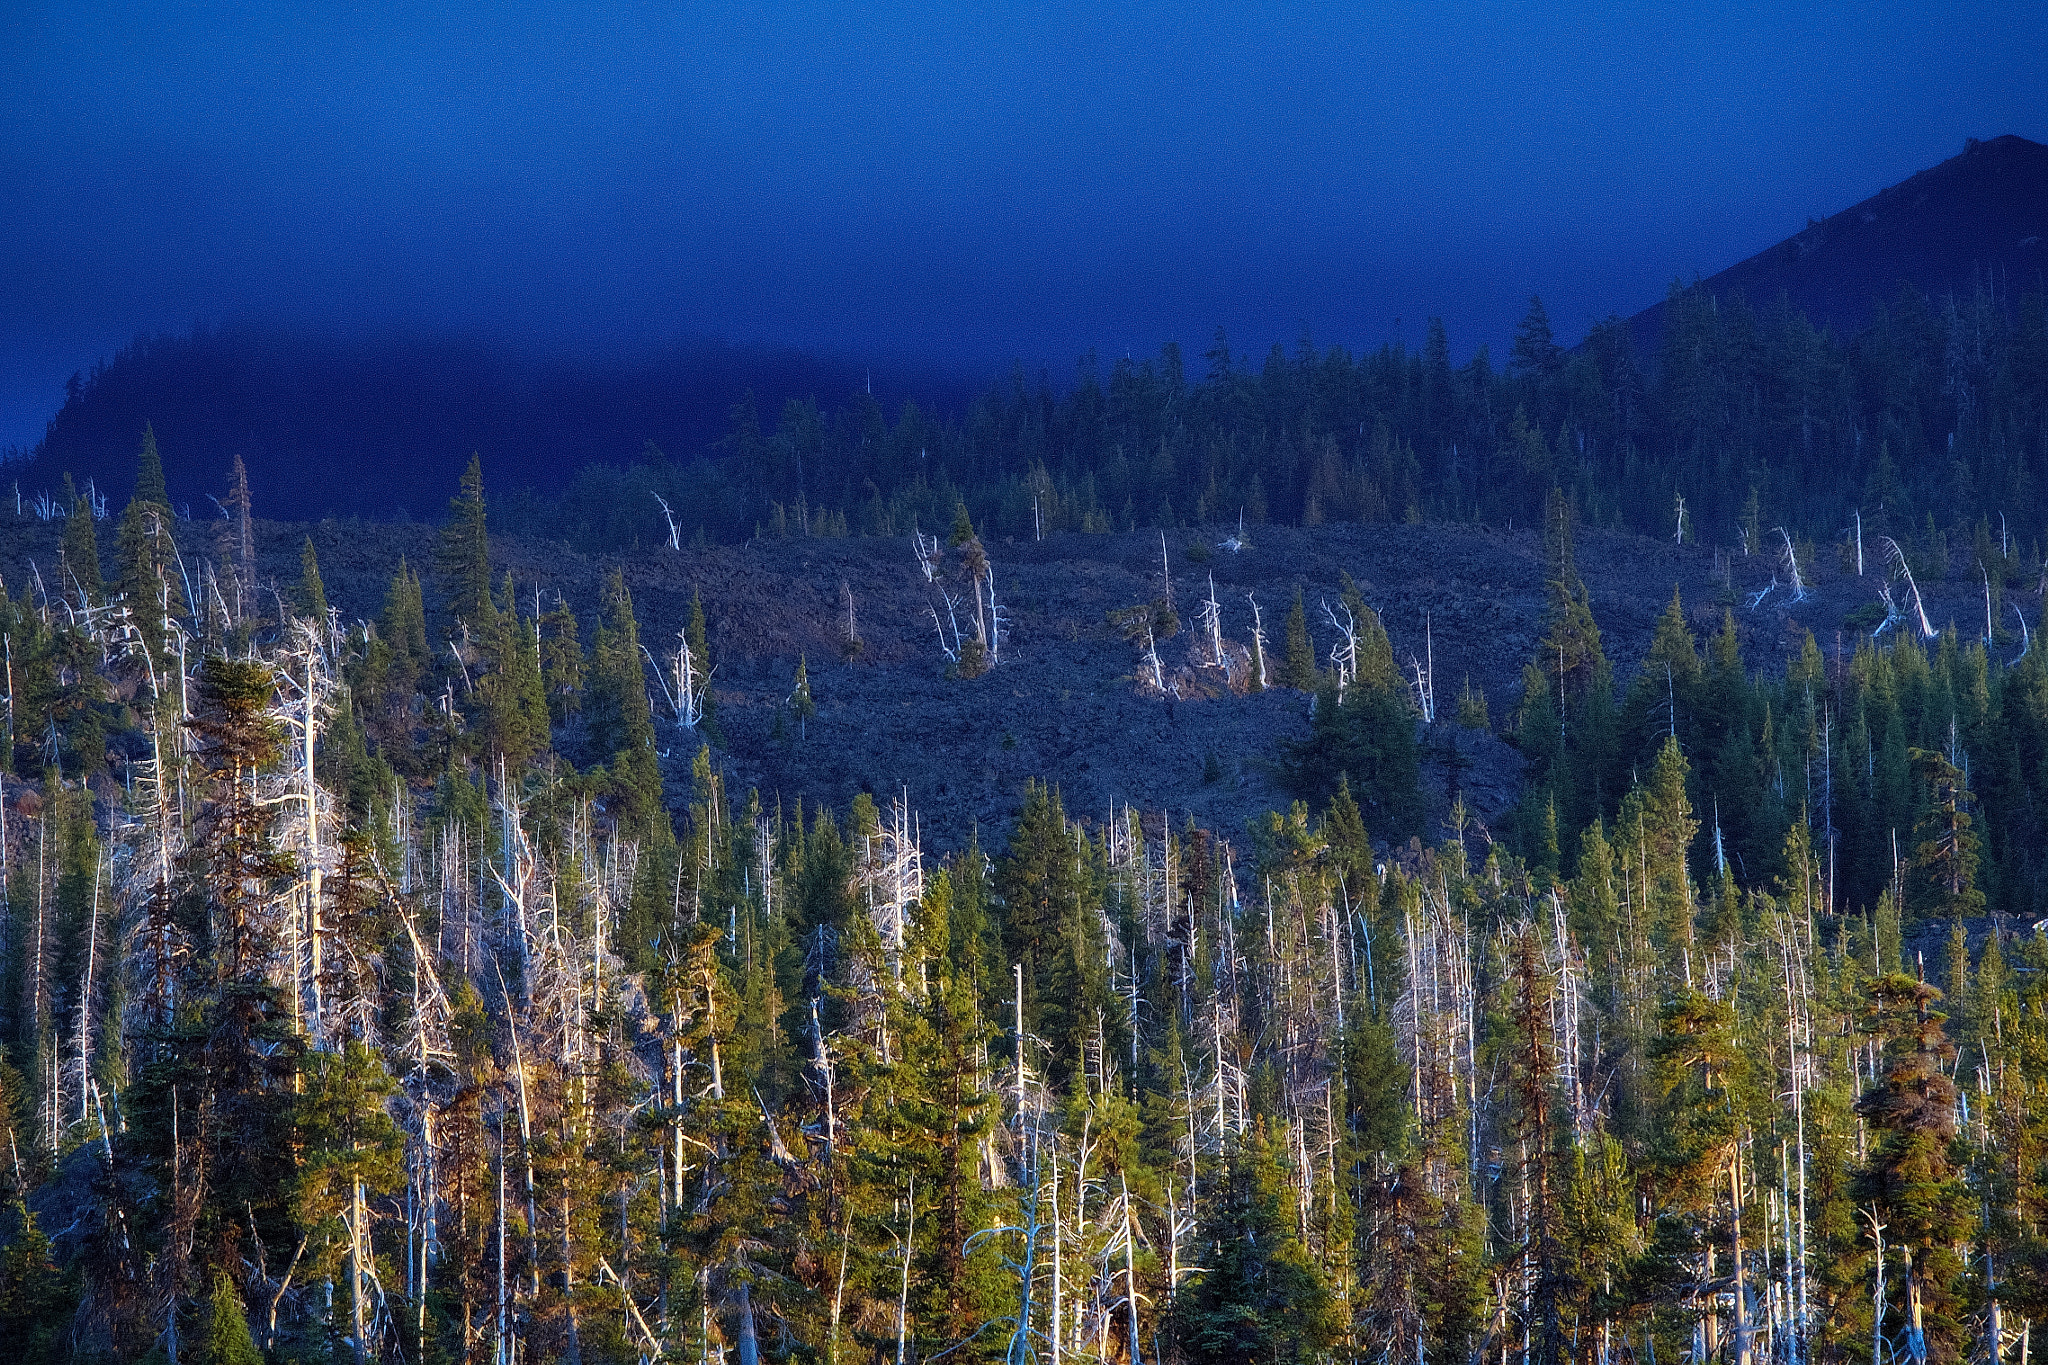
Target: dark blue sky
[{"x": 965, "y": 184}]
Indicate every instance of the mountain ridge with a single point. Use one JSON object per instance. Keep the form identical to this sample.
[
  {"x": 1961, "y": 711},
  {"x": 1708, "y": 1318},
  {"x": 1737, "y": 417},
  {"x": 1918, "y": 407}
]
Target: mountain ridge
[{"x": 1981, "y": 216}]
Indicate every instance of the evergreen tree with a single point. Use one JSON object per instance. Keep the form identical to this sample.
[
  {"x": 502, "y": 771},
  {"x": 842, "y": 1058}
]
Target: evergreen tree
[
  {"x": 148, "y": 555},
  {"x": 1260, "y": 1298},
  {"x": 1911, "y": 1177},
  {"x": 465, "y": 552},
  {"x": 1945, "y": 844},
  {"x": 350, "y": 1153},
  {"x": 36, "y": 1302},
  {"x": 311, "y": 598},
  {"x": 149, "y": 472},
  {"x": 80, "y": 547},
  {"x": 512, "y": 699},
  {"x": 1298, "y": 662},
  {"x": 1054, "y": 928},
  {"x": 800, "y": 703},
  {"x": 227, "y": 1328},
  {"x": 700, "y": 656},
  {"x": 1536, "y": 354},
  {"x": 561, "y": 661}
]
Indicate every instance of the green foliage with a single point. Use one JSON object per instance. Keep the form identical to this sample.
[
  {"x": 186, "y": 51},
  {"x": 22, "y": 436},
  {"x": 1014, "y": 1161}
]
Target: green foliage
[
  {"x": 1472, "y": 713},
  {"x": 464, "y": 555},
  {"x": 800, "y": 703},
  {"x": 561, "y": 661},
  {"x": 1051, "y": 892},
  {"x": 1365, "y": 738},
  {"x": 311, "y": 598},
  {"x": 1298, "y": 660},
  {"x": 1301, "y": 1095},
  {"x": 1261, "y": 1298},
  {"x": 227, "y": 1340},
  {"x": 36, "y": 1298}
]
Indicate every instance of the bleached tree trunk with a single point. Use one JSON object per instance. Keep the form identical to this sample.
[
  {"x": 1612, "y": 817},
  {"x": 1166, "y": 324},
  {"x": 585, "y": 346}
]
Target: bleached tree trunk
[
  {"x": 1258, "y": 640},
  {"x": 358, "y": 1347},
  {"x": 85, "y": 994},
  {"x": 903, "y": 1297}
]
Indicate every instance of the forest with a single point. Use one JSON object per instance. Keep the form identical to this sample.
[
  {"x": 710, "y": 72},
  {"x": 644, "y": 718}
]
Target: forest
[
  {"x": 1936, "y": 408},
  {"x": 369, "y": 992}
]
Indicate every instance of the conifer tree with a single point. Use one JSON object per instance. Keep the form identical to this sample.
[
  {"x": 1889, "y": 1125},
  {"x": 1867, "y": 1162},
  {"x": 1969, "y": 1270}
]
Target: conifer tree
[
  {"x": 1260, "y": 1298},
  {"x": 1945, "y": 845},
  {"x": 235, "y": 1068},
  {"x": 1298, "y": 661},
  {"x": 149, "y": 472},
  {"x": 148, "y": 555},
  {"x": 1661, "y": 699},
  {"x": 350, "y": 1153},
  {"x": 1054, "y": 928},
  {"x": 800, "y": 703},
  {"x": 511, "y": 697},
  {"x": 227, "y": 1328},
  {"x": 561, "y": 661},
  {"x": 465, "y": 552},
  {"x": 35, "y": 1300},
  {"x": 312, "y": 594},
  {"x": 700, "y": 656},
  {"x": 80, "y": 547},
  {"x": 1911, "y": 1179}
]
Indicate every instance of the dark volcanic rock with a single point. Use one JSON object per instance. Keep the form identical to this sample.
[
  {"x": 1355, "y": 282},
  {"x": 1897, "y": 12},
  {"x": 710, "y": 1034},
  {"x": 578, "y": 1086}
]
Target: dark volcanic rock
[{"x": 1065, "y": 705}]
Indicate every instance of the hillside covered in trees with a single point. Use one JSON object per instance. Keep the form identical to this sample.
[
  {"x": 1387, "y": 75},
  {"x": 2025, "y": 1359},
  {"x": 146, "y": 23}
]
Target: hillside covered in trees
[
  {"x": 1739, "y": 406},
  {"x": 420, "y": 987}
]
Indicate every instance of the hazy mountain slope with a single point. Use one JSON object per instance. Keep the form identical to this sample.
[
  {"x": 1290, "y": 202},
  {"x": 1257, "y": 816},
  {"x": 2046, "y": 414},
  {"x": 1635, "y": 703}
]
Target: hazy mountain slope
[
  {"x": 376, "y": 428},
  {"x": 1979, "y": 217}
]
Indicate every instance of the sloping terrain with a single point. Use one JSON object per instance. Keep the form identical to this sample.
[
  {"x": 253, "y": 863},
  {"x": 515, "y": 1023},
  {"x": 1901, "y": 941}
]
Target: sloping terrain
[
  {"x": 1977, "y": 218},
  {"x": 402, "y": 414},
  {"x": 1065, "y": 703}
]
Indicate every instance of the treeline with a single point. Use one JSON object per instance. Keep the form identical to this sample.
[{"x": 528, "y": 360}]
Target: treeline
[
  {"x": 368, "y": 1001},
  {"x": 1938, "y": 408}
]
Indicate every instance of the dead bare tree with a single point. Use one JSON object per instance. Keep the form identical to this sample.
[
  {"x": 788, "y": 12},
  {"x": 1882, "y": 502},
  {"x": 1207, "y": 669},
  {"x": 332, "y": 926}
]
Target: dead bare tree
[
  {"x": 674, "y": 536},
  {"x": 683, "y": 684},
  {"x": 1424, "y": 669},
  {"x": 1897, "y": 559},
  {"x": 1344, "y": 652},
  {"x": 1258, "y": 642},
  {"x": 1792, "y": 566}
]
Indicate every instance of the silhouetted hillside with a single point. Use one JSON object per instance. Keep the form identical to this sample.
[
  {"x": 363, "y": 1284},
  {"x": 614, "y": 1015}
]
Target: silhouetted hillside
[
  {"x": 1981, "y": 217},
  {"x": 371, "y": 428}
]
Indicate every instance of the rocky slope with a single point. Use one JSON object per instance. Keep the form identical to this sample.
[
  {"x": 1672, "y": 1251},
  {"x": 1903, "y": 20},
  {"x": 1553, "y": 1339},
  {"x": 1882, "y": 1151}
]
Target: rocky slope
[{"x": 1067, "y": 703}]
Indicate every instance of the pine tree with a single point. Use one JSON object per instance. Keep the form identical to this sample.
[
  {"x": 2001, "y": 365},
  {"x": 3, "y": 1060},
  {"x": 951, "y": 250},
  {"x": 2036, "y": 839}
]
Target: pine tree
[
  {"x": 1911, "y": 1179},
  {"x": 465, "y": 552},
  {"x": 1260, "y": 1298},
  {"x": 311, "y": 598},
  {"x": 80, "y": 548},
  {"x": 1536, "y": 354},
  {"x": 1298, "y": 662},
  {"x": 1054, "y": 928},
  {"x": 350, "y": 1153},
  {"x": 699, "y": 642},
  {"x": 227, "y": 1328},
  {"x": 148, "y": 555},
  {"x": 561, "y": 661},
  {"x": 234, "y": 1065},
  {"x": 149, "y": 472},
  {"x": 800, "y": 703},
  {"x": 36, "y": 1302},
  {"x": 512, "y": 698},
  {"x": 1943, "y": 885}
]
